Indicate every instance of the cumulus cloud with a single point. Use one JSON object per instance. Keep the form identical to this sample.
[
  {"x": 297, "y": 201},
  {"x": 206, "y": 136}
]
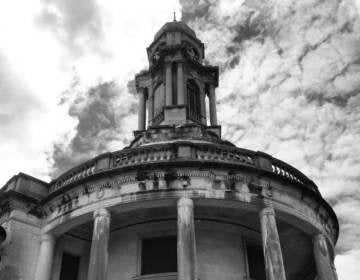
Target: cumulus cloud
[
  {"x": 292, "y": 68},
  {"x": 77, "y": 24},
  {"x": 46, "y": 46},
  {"x": 106, "y": 114}
]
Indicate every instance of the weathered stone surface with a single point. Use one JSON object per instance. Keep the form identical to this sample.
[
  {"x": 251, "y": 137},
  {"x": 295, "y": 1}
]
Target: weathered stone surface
[
  {"x": 274, "y": 265},
  {"x": 186, "y": 240},
  {"x": 323, "y": 259},
  {"x": 45, "y": 259},
  {"x": 99, "y": 247}
]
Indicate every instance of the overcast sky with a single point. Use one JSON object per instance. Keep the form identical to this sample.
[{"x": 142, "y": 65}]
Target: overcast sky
[{"x": 289, "y": 86}]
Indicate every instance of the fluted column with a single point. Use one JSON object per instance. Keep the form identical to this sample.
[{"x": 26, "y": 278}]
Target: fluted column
[
  {"x": 168, "y": 88},
  {"x": 150, "y": 105},
  {"x": 274, "y": 265},
  {"x": 142, "y": 110},
  {"x": 212, "y": 105},
  {"x": 323, "y": 260},
  {"x": 186, "y": 250},
  {"x": 180, "y": 85},
  {"x": 45, "y": 258},
  {"x": 99, "y": 245}
]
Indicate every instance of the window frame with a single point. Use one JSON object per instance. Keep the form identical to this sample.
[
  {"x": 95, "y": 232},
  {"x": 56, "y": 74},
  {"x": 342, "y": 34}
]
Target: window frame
[
  {"x": 193, "y": 100},
  {"x": 149, "y": 235},
  {"x": 253, "y": 242},
  {"x": 72, "y": 254}
]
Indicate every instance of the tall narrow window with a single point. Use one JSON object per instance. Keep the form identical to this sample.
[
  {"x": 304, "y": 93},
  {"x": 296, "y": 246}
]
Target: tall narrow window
[
  {"x": 69, "y": 267},
  {"x": 159, "y": 103},
  {"x": 193, "y": 100},
  {"x": 159, "y": 255},
  {"x": 174, "y": 82},
  {"x": 256, "y": 263}
]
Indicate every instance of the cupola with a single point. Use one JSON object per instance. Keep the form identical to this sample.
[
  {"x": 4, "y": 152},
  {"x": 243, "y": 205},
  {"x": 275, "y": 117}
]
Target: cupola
[{"x": 173, "y": 90}]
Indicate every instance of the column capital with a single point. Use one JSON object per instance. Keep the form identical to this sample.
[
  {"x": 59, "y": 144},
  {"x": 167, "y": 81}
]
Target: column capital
[
  {"x": 185, "y": 202},
  {"x": 143, "y": 91},
  {"x": 102, "y": 212},
  {"x": 267, "y": 211},
  {"x": 47, "y": 237},
  {"x": 319, "y": 237}
]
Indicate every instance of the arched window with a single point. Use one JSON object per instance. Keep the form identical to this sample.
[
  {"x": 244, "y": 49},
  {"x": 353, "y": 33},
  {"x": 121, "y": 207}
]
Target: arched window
[
  {"x": 193, "y": 100},
  {"x": 159, "y": 103}
]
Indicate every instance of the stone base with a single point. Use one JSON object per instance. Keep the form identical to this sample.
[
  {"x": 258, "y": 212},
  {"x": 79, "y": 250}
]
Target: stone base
[{"x": 175, "y": 115}]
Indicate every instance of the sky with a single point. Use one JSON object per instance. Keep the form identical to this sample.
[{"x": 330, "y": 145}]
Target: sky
[{"x": 289, "y": 86}]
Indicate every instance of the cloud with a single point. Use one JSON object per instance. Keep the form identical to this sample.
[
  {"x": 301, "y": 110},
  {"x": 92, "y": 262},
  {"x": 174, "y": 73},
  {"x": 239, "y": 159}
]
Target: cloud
[
  {"x": 347, "y": 265},
  {"x": 105, "y": 113},
  {"x": 50, "y": 47},
  {"x": 292, "y": 68},
  {"x": 16, "y": 99},
  {"x": 77, "y": 24}
]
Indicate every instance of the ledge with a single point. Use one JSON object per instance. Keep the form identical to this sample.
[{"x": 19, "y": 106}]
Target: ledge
[{"x": 157, "y": 276}]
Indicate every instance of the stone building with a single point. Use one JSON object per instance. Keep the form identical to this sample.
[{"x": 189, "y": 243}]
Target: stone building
[{"x": 178, "y": 203}]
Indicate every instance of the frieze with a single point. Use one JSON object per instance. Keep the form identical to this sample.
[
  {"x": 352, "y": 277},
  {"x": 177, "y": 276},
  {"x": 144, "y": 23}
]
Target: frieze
[
  {"x": 144, "y": 183},
  {"x": 140, "y": 182}
]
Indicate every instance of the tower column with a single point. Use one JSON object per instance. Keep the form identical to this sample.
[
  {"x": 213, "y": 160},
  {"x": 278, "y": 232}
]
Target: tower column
[
  {"x": 203, "y": 106},
  {"x": 323, "y": 260},
  {"x": 186, "y": 249},
  {"x": 99, "y": 245},
  {"x": 168, "y": 89},
  {"x": 274, "y": 265},
  {"x": 150, "y": 104},
  {"x": 142, "y": 109},
  {"x": 212, "y": 105},
  {"x": 45, "y": 259},
  {"x": 180, "y": 85}
]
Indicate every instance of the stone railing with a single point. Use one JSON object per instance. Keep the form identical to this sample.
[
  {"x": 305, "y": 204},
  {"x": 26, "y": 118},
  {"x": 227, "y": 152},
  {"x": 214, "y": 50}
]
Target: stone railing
[
  {"x": 73, "y": 175},
  {"x": 224, "y": 154},
  {"x": 143, "y": 155},
  {"x": 285, "y": 170},
  {"x": 181, "y": 152}
]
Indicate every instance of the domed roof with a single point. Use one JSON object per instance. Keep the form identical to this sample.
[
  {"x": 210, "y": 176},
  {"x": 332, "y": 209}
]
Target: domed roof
[{"x": 175, "y": 26}]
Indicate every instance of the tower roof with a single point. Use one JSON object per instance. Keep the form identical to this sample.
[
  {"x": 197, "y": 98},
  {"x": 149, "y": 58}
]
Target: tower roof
[{"x": 174, "y": 26}]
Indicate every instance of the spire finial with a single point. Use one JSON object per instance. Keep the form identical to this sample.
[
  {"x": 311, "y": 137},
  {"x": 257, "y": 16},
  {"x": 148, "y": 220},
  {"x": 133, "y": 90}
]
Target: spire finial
[{"x": 174, "y": 16}]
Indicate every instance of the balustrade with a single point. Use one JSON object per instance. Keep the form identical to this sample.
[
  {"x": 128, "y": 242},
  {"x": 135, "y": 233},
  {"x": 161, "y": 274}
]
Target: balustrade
[
  {"x": 73, "y": 176},
  {"x": 163, "y": 153}
]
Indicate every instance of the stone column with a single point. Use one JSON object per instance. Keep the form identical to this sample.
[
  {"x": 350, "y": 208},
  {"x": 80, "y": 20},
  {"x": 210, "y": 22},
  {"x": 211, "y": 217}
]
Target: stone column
[
  {"x": 45, "y": 258},
  {"x": 99, "y": 245},
  {"x": 180, "y": 85},
  {"x": 186, "y": 250},
  {"x": 274, "y": 265},
  {"x": 323, "y": 260},
  {"x": 168, "y": 89},
  {"x": 203, "y": 107},
  {"x": 142, "y": 110},
  {"x": 150, "y": 105},
  {"x": 212, "y": 105}
]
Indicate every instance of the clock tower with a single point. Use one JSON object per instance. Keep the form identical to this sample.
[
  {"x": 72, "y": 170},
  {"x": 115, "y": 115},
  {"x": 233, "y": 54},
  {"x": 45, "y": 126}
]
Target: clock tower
[{"x": 174, "y": 88}]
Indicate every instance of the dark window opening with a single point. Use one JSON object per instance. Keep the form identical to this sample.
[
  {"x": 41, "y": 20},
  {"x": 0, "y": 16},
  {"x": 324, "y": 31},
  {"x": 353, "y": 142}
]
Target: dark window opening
[
  {"x": 193, "y": 100},
  {"x": 256, "y": 263},
  {"x": 69, "y": 267},
  {"x": 159, "y": 255}
]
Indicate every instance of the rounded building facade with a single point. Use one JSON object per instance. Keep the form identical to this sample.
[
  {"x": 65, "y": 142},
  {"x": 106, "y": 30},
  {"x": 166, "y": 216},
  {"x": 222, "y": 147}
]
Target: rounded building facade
[{"x": 178, "y": 203}]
